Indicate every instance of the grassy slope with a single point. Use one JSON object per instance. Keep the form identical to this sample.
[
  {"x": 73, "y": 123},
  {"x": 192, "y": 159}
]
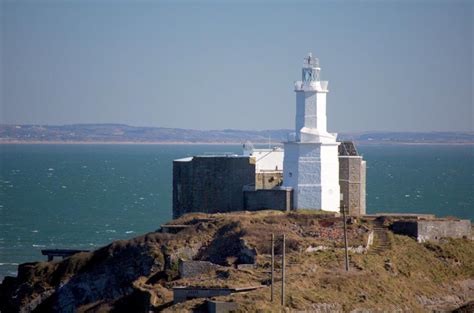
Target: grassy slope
[{"x": 389, "y": 280}]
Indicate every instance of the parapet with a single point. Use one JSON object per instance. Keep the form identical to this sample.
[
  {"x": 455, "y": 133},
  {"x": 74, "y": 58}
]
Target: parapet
[{"x": 317, "y": 86}]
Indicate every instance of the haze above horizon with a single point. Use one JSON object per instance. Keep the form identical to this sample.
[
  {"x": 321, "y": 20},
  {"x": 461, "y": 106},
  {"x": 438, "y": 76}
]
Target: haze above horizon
[{"x": 392, "y": 66}]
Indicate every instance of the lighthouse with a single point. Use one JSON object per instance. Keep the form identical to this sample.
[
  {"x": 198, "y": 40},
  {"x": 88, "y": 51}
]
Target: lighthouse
[{"x": 311, "y": 164}]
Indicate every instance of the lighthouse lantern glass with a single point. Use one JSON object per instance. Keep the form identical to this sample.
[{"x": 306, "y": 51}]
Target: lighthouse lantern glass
[{"x": 309, "y": 75}]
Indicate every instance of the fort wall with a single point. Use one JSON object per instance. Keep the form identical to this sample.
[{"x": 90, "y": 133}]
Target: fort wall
[
  {"x": 268, "y": 199},
  {"x": 211, "y": 184}
]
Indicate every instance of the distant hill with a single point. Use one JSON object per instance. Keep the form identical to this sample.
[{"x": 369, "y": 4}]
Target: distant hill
[{"x": 119, "y": 133}]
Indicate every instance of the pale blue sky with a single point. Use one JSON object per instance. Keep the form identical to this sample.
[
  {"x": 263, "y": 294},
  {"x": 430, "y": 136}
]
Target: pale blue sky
[{"x": 391, "y": 65}]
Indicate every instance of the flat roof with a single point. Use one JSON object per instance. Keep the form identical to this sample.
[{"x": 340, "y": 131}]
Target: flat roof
[
  {"x": 221, "y": 156},
  {"x": 235, "y": 289},
  {"x": 188, "y": 159},
  {"x": 277, "y": 149}
]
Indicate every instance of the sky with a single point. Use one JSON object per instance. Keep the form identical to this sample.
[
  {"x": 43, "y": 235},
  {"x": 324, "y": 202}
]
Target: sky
[{"x": 391, "y": 65}]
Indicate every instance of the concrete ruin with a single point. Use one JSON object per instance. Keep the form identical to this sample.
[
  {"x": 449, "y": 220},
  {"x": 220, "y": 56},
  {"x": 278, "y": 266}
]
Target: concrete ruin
[
  {"x": 214, "y": 306},
  {"x": 433, "y": 230},
  {"x": 194, "y": 268},
  {"x": 185, "y": 293}
]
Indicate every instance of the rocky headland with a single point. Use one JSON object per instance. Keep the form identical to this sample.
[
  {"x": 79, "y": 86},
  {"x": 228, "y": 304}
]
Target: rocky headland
[{"x": 387, "y": 272}]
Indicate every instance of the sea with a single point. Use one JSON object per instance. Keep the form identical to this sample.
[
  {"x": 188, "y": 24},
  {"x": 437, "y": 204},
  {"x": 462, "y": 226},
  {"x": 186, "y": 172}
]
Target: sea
[{"x": 83, "y": 196}]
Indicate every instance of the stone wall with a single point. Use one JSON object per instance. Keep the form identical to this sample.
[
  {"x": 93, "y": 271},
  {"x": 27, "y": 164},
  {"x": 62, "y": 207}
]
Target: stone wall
[
  {"x": 363, "y": 185},
  {"x": 181, "y": 294},
  {"x": 193, "y": 268},
  {"x": 352, "y": 180},
  {"x": 264, "y": 199},
  {"x": 184, "y": 293},
  {"x": 211, "y": 184},
  {"x": 268, "y": 179},
  {"x": 433, "y": 230},
  {"x": 406, "y": 227},
  {"x": 214, "y": 306}
]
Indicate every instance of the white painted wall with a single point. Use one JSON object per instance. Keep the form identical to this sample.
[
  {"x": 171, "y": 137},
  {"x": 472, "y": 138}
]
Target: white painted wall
[
  {"x": 267, "y": 159},
  {"x": 312, "y": 170}
]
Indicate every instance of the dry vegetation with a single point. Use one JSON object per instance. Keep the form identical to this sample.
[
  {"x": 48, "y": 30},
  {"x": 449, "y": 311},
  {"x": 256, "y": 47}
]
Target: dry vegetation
[{"x": 138, "y": 274}]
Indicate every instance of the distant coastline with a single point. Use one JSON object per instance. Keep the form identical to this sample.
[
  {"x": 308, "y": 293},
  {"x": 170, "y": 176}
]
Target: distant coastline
[
  {"x": 20, "y": 142},
  {"x": 371, "y": 143},
  {"x": 125, "y": 134}
]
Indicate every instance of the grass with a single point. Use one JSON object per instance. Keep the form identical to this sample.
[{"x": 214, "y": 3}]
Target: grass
[
  {"x": 385, "y": 281},
  {"x": 391, "y": 280}
]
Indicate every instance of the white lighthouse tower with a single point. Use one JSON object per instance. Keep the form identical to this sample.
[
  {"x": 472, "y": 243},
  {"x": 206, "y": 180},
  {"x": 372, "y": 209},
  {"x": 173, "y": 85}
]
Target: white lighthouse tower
[{"x": 311, "y": 164}]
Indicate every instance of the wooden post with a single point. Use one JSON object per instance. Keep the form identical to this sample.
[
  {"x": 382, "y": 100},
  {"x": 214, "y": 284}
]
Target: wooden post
[
  {"x": 345, "y": 237},
  {"x": 283, "y": 272},
  {"x": 273, "y": 267}
]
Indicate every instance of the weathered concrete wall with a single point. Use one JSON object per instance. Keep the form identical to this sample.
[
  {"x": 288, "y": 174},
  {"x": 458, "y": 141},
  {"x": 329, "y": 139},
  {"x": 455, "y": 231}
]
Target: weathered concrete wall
[
  {"x": 432, "y": 230},
  {"x": 407, "y": 228},
  {"x": 352, "y": 180},
  {"x": 264, "y": 199},
  {"x": 221, "y": 306},
  {"x": 211, "y": 184},
  {"x": 268, "y": 179},
  {"x": 194, "y": 268},
  {"x": 183, "y": 294}
]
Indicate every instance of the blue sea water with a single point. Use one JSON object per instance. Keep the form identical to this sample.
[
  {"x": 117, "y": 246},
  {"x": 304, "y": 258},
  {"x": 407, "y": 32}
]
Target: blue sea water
[{"x": 84, "y": 196}]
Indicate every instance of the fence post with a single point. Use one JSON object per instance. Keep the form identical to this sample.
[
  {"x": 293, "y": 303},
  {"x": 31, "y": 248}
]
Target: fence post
[
  {"x": 346, "y": 253},
  {"x": 283, "y": 272},
  {"x": 273, "y": 267}
]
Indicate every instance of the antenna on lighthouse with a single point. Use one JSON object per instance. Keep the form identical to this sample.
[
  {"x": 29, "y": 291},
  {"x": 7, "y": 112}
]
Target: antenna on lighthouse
[
  {"x": 313, "y": 63},
  {"x": 310, "y": 61}
]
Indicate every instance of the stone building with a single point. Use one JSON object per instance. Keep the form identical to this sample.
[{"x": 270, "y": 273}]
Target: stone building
[
  {"x": 224, "y": 183},
  {"x": 211, "y": 184},
  {"x": 253, "y": 181},
  {"x": 352, "y": 178}
]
